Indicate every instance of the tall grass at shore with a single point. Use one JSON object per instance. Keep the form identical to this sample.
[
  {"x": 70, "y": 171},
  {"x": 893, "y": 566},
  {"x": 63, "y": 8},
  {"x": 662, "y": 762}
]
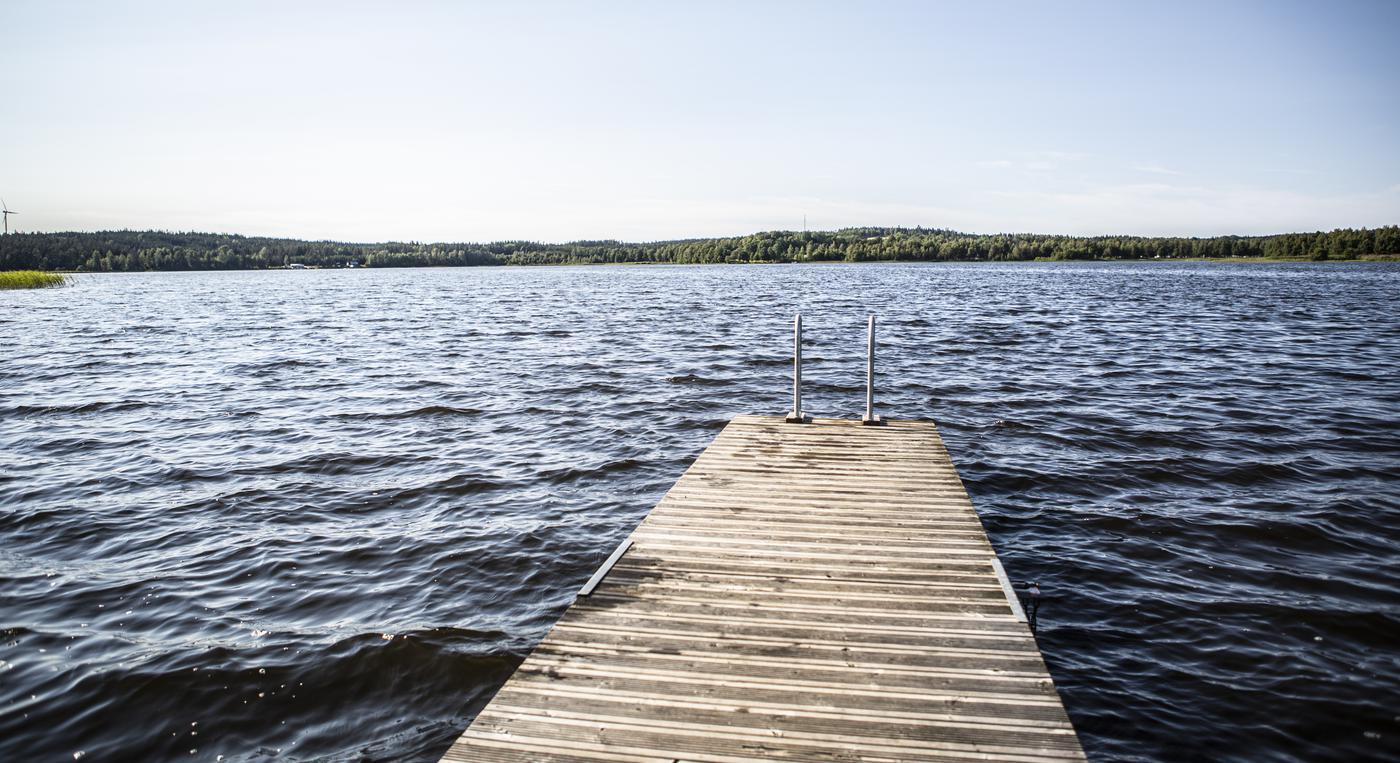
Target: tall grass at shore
[{"x": 30, "y": 279}]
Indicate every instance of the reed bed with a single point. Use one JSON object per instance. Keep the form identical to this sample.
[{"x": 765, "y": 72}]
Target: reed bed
[{"x": 30, "y": 279}]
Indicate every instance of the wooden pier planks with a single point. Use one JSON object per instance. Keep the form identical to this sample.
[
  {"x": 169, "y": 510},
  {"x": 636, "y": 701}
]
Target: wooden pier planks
[{"x": 817, "y": 592}]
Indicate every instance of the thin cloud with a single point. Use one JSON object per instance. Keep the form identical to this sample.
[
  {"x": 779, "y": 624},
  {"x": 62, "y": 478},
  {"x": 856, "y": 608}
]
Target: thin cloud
[
  {"x": 1035, "y": 161},
  {"x": 1156, "y": 169},
  {"x": 1192, "y": 210}
]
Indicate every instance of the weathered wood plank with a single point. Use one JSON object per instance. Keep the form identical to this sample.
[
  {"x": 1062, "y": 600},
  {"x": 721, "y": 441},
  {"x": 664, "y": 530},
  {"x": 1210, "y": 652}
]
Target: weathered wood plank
[{"x": 804, "y": 592}]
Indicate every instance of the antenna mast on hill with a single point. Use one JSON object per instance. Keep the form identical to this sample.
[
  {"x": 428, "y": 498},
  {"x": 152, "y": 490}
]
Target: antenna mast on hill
[{"x": 7, "y": 214}]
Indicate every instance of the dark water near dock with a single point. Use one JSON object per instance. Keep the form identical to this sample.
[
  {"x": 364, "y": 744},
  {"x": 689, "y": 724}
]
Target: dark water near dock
[{"x": 322, "y": 515}]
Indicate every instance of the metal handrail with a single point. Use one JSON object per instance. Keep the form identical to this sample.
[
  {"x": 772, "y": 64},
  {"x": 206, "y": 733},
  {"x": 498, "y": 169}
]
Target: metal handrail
[
  {"x": 870, "y": 418},
  {"x": 795, "y": 415}
]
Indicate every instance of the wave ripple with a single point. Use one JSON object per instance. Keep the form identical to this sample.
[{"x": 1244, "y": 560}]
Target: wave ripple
[{"x": 322, "y": 515}]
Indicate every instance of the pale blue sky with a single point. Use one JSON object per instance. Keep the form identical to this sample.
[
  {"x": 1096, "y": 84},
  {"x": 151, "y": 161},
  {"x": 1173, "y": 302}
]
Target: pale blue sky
[{"x": 647, "y": 120}]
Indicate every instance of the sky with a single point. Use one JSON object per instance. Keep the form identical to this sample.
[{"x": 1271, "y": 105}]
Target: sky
[{"x": 463, "y": 121}]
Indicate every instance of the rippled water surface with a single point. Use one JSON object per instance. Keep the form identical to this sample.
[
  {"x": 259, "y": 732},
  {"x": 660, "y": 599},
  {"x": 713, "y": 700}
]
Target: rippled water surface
[{"x": 323, "y": 514}]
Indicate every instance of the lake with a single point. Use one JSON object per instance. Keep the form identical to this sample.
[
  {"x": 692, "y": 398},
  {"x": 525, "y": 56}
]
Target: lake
[{"x": 323, "y": 514}]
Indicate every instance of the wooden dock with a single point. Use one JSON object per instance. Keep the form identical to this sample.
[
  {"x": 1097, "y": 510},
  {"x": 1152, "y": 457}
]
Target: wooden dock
[{"x": 805, "y": 592}]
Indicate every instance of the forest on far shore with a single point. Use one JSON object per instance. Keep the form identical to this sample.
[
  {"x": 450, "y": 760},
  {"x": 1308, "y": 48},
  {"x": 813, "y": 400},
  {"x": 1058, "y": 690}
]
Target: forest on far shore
[{"x": 107, "y": 251}]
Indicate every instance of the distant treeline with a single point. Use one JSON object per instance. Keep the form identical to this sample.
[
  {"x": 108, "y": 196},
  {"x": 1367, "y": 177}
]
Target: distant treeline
[{"x": 159, "y": 250}]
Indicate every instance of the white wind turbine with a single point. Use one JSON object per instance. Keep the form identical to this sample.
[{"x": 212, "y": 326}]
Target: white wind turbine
[{"x": 6, "y": 208}]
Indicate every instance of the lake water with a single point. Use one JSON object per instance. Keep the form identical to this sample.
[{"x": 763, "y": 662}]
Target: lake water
[{"x": 323, "y": 514}]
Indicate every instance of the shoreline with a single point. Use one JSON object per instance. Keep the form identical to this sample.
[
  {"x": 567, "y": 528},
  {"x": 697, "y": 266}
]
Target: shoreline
[
  {"x": 1369, "y": 259},
  {"x": 145, "y": 251}
]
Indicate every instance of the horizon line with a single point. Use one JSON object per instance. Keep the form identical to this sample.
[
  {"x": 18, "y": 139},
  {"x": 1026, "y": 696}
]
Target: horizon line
[{"x": 566, "y": 242}]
